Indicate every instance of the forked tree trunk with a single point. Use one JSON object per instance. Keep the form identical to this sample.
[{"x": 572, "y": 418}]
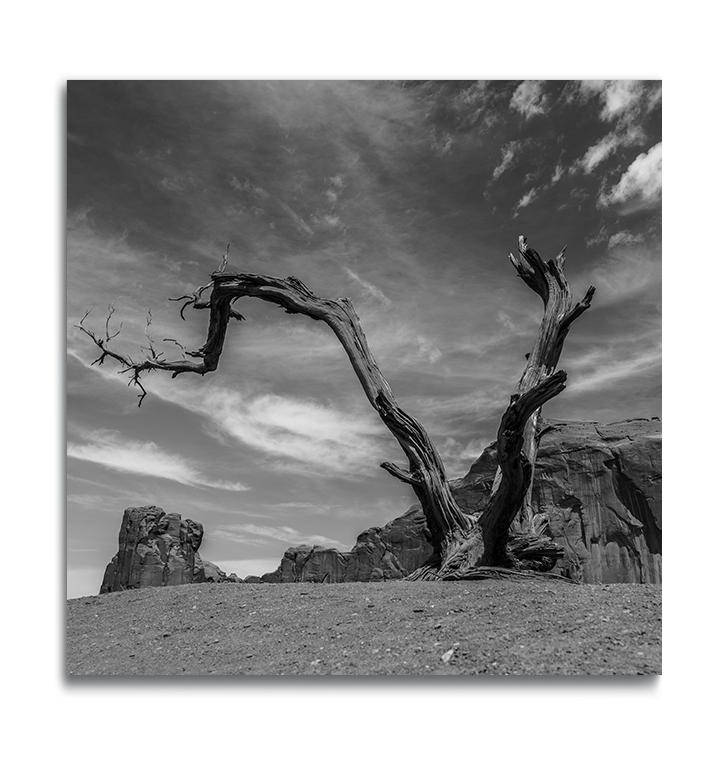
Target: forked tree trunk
[
  {"x": 461, "y": 542},
  {"x": 547, "y": 279}
]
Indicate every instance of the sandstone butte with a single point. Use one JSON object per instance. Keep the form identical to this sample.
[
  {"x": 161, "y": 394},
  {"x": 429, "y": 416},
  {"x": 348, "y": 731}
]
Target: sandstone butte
[{"x": 597, "y": 492}]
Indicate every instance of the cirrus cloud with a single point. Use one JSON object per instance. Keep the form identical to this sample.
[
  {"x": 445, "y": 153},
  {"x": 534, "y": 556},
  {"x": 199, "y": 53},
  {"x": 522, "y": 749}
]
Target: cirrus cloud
[
  {"x": 145, "y": 458},
  {"x": 640, "y": 187}
]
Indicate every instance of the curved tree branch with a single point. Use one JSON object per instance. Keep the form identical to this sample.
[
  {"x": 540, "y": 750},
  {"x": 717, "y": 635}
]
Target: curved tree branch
[
  {"x": 426, "y": 473},
  {"x": 547, "y": 279},
  {"x": 459, "y": 540}
]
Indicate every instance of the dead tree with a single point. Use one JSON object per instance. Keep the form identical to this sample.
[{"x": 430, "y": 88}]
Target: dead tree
[
  {"x": 547, "y": 279},
  {"x": 463, "y": 543}
]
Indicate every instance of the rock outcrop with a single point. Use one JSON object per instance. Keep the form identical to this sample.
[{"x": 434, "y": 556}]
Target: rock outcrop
[
  {"x": 159, "y": 549},
  {"x": 597, "y": 492},
  {"x": 380, "y": 553}
]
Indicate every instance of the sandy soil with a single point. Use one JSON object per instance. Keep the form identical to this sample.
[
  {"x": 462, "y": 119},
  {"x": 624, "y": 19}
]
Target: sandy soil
[{"x": 396, "y": 628}]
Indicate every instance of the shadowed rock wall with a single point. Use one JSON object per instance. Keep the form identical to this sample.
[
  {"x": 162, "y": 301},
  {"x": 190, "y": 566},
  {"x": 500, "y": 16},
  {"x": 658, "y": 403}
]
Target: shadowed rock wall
[
  {"x": 380, "y": 553},
  {"x": 159, "y": 549},
  {"x": 599, "y": 488},
  {"x": 597, "y": 492}
]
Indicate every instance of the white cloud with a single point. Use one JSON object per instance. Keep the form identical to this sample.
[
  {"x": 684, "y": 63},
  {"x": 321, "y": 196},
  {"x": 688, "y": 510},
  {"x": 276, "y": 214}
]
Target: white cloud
[
  {"x": 608, "y": 368},
  {"x": 621, "y": 96},
  {"x": 529, "y": 197},
  {"x": 640, "y": 186},
  {"x": 508, "y": 322},
  {"x": 297, "y": 220},
  {"x": 326, "y": 221},
  {"x": 108, "y": 448},
  {"x": 529, "y": 99},
  {"x": 322, "y": 439},
  {"x": 318, "y": 439},
  {"x": 625, "y": 137},
  {"x": 624, "y": 238},
  {"x": 247, "y": 187},
  {"x": 254, "y": 534},
  {"x": 427, "y": 350},
  {"x": 630, "y": 270},
  {"x": 458, "y": 456},
  {"x": 597, "y": 239},
  {"x": 509, "y": 154},
  {"x": 370, "y": 290},
  {"x": 588, "y": 88},
  {"x": 599, "y": 152},
  {"x": 621, "y": 100},
  {"x": 176, "y": 183}
]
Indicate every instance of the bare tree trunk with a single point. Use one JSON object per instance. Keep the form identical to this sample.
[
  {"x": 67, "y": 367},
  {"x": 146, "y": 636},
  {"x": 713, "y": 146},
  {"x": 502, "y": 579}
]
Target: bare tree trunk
[
  {"x": 461, "y": 542},
  {"x": 425, "y": 472},
  {"x": 547, "y": 279}
]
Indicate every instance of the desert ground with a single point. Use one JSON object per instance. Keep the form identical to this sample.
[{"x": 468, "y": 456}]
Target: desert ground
[{"x": 491, "y": 627}]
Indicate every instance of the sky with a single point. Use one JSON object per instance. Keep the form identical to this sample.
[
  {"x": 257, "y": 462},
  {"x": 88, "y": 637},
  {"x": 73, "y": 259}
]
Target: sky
[{"x": 406, "y": 197}]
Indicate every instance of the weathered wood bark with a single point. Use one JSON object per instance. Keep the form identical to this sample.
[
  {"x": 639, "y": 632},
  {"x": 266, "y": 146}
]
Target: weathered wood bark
[
  {"x": 461, "y": 541},
  {"x": 547, "y": 279},
  {"x": 425, "y": 472},
  {"x": 487, "y": 542}
]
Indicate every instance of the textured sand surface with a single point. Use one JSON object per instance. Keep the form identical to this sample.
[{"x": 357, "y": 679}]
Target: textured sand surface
[{"x": 394, "y": 628}]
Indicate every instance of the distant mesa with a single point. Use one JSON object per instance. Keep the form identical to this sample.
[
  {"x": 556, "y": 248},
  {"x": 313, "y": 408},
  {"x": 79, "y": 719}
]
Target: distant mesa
[
  {"x": 597, "y": 492},
  {"x": 159, "y": 549},
  {"x": 380, "y": 553}
]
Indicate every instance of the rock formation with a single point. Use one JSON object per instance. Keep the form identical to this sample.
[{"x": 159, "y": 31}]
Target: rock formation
[
  {"x": 159, "y": 549},
  {"x": 597, "y": 493},
  {"x": 380, "y": 553}
]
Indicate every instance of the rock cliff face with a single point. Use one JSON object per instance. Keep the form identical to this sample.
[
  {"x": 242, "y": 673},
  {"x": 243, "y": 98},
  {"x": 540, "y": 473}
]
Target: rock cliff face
[
  {"x": 159, "y": 549},
  {"x": 598, "y": 489},
  {"x": 597, "y": 492},
  {"x": 380, "y": 553}
]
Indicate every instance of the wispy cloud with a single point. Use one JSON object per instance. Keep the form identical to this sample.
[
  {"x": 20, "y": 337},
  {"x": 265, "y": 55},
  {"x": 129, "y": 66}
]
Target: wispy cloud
[
  {"x": 245, "y": 186},
  {"x": 321, "y": 439},
  {"x": 624, "y": 238},
  {"x": 624, "y": 137},
  {"x": 620, "y": 97},
  {"x": 529, "y": 98},
  {"x": 528, "y": 198},
  {"x": 370, "y": 290},
  {"x": 598, "y": 152},
  {"x": 299, "y": 223},
  {"x": 622, "y": 101},
  {"x": 557, "y": 174},
  {"x": 640, "y": 186},
  {"x": 605, "y": 367},
  {"x": 629, "y": 269},
  {"x": 309, "y": 179},
  {"x": 313, "y": 438},
  {"x": 256, "y": 534},
  {"x": 108, "y": 448},
  {"x": 509, "y": 156}
]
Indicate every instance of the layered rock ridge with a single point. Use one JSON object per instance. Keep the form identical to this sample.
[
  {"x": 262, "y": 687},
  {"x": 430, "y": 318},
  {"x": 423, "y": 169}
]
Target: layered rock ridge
[
  {"x": 159, "y": 549},
  {"x": 380, "y": 553},
  {"x": 597, "y": 492}
]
